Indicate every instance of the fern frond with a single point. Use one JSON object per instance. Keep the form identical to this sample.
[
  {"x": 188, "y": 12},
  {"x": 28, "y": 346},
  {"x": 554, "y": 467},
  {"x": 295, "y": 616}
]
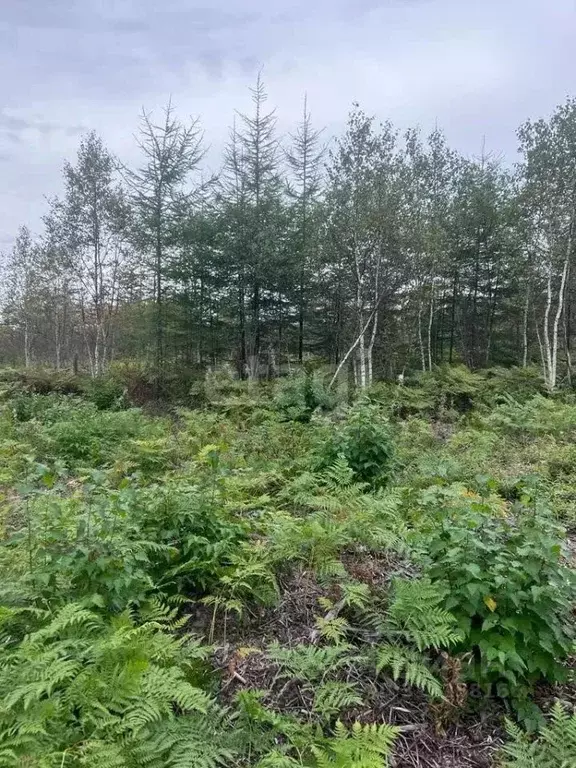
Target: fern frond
[
  {"x": 355, "y": 594},
  {"x": 310, "y": 662},
  {"x": 329, "y": 570},
  {"x": 364, "y": 746},
  {"x": 334, "y": 696},
  {"x": 416, "y": 616},
  {"x": 276, "y": 759},
  {"x": 553, "y": 747},
  {"x": 411, "y": 665},
  {"x": 332, "y": 629}
]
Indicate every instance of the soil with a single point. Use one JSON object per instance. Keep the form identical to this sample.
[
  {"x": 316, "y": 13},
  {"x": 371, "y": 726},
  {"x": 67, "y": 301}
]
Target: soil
[{"x": 441, "y": 736}]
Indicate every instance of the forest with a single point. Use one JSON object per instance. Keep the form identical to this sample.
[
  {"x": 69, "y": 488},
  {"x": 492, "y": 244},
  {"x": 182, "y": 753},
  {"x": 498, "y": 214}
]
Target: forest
[
  {"x": 288, "y": 454},
  {"x": 375, "y": 252}
]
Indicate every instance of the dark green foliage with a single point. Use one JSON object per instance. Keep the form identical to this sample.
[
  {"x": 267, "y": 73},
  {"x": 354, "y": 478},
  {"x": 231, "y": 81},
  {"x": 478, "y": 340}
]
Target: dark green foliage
[
  {"x": 44, "y": 381},
  {"x": 365, "y": 442},
  {"x": 106, "y": 392},
  {"x": 553, "y": 747},
  {"x": 520, "y": 383},
  {"x": 455, "y": 386},
  {"x": 443, "y": 393},
  {"x": 507, "y": 585},
  {"x": 298, "y": 397}
]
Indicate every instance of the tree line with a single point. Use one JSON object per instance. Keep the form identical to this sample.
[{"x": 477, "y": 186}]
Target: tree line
[{"x": 377, "y": 252}]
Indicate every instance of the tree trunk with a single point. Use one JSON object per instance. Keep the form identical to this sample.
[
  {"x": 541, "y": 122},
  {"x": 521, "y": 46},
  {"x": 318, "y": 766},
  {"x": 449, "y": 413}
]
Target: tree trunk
[
  {"x": 370, "y": 350},
  {"x": 525, "y": 328},
  {"x": 354, "y": 344},
  {"x": 242, "y": 357},
  {"x": 430, "y": 323},
  {"x": 453, "y": 316},
  {"x": 254, "y": 357},
  {"x": 159, "y": 377},
  {"x": 559, "y": 308},
  {"x": 420, "y": 339},
  {"x": 546, "y": 332},
  {"x": 26, "y": 342},
  {"x": 362, "y": 360}
]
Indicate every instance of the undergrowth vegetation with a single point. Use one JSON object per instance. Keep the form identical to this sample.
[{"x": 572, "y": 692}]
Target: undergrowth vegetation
[{"x": 279, "y": 578}]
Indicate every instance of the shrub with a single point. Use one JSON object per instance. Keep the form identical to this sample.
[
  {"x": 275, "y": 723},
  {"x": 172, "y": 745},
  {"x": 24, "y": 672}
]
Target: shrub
[
  {"x": 508, "y": 587},
  {"x": 42, "y": 382},
  {"x": 444, "y": 392},
  {"x": 298, "y": 396},
  {"x": 520, "y": 383},
  {"x": 365, "y": 442},
  {"x": 196, "y": 536},
  {"x": 106, "y": 393}
]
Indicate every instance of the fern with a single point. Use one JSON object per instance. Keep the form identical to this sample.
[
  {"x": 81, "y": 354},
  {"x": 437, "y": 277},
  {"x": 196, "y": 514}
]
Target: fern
[
  {"x": 363, "y": 746},
  {"x": 333, "y": 629},
  {"x": 341, "y": 514},
  {"x": 409, "y": 663},
  {"x": 339, "y": 476},
  {"x": 119, "y": 690},
  {"x": 311, "y": 663},
  {"x": 277, "y": 759},
  {"x": 355, "y": 594},
  {"x": 261, "y": 730},
  {"x": 415, "y": 616},
  {"x": 333, "y": 696},
  {"x": 554, "y": 747}
]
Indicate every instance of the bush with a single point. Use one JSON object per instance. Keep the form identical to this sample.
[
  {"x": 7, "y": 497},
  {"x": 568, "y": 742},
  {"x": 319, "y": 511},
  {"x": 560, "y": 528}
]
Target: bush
[
  {"x": 443, "y": 393},
  {"x": 298, "y": 396},
  {"x": 365, "y": 442},
  {"x": 107, "y": 393},
  {"x": 520, "y": 383},
  {"x": 42, "y": 382},
  {"x": 508, "y": 587}
]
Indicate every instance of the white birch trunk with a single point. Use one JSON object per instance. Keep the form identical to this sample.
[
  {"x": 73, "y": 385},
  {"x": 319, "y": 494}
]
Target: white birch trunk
[
  {"x": 546, "y": 331},
  {"x": 525, "y": 329},
  {"x": 559, "y": 309},
  {"x": 362, "y": 359},
  {"x": 420, "y": 339},
  {"x": 430, "y": 321},
  {"x": 26, "y": 342},
  {"x": 371, "y": 349}
]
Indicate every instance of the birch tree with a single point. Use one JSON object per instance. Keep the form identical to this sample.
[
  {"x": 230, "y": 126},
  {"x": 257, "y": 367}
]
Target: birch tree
[
  {"x": 22, "y": 284},
  {"x": 549, "y": 199},
  {"x": 363, "y": 206},
  {"x": 90, "y": 223}
]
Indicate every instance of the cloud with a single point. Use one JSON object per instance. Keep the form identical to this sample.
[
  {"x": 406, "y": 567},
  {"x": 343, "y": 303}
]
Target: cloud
[
  {"x": 16, "y": 128},
  {"x": 478, "y": 69}
]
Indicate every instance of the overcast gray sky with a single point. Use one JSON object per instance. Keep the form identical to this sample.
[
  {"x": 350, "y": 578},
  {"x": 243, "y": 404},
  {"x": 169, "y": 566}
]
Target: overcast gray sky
[{"x": 476, "y": 67}]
